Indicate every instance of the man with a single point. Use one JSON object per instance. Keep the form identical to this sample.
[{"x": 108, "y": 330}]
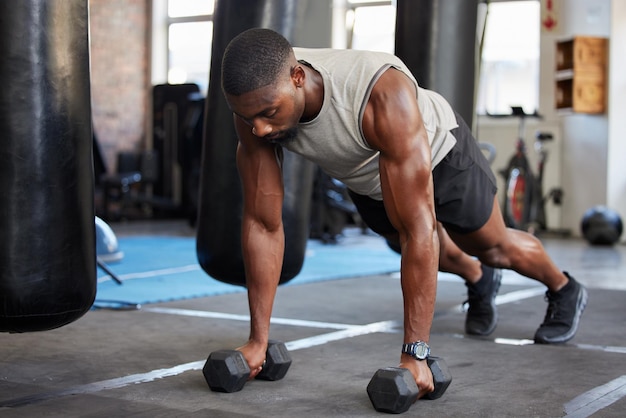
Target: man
[{"x": 414, "y": 172}]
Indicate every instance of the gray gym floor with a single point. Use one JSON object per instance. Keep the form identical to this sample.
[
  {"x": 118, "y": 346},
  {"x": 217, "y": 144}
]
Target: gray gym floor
[{"x": 147, "y": 363}]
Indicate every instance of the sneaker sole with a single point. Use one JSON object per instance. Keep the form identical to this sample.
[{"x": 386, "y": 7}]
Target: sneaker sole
[{"x": 580, "y": 307}]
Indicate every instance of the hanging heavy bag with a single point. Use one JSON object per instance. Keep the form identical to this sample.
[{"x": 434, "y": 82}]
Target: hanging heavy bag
[
  {"x": 47, "y": 250},
  {"x": 218, "y": 244}
]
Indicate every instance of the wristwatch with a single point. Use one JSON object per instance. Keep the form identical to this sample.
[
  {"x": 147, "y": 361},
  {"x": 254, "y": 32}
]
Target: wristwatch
[{"x": 419, "y": 350}]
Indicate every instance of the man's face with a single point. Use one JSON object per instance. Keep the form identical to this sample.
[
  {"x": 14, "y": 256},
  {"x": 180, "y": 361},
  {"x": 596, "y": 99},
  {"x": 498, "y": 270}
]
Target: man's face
[{"x": 272, "y": 111}]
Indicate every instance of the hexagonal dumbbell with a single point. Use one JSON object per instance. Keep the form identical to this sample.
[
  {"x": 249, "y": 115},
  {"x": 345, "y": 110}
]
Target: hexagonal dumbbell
[
  {"x": 228, "y": 371},
  {"x": 394, "y": 390}
]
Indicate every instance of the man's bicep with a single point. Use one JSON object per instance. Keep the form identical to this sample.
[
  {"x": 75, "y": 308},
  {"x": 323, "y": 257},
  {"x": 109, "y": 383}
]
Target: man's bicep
[
  {"x": 405, "y": 170},
  {"x": 407, "y": 193},
  {"x": 393, "y": 125}
]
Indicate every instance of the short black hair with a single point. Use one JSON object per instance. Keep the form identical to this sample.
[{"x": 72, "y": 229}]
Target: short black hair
[{"x": 253, "y": 59}]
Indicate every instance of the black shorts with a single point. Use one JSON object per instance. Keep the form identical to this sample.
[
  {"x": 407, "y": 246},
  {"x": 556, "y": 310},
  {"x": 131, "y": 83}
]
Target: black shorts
[{"x": 464, "y": 187}]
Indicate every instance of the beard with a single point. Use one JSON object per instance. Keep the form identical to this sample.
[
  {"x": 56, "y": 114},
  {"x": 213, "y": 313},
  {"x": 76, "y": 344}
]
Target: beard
[{"x": 283, "y": 137}]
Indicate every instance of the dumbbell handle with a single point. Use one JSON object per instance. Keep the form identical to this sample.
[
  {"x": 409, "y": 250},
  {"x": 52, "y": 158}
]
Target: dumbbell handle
[
  {"x": 441, "y": 377},
  {"x": 277, "y": 362}
]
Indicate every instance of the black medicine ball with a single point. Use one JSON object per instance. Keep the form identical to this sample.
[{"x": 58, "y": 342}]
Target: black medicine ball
[{"x": 601, "y": 226}]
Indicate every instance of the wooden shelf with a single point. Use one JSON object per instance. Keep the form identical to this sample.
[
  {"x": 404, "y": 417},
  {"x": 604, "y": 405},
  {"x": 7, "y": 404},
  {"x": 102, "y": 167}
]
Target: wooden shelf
[{"x": 581, "y": 74}]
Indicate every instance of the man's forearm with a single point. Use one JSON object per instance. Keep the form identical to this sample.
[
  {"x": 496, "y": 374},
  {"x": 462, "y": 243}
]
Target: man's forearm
[
  {"x": 419, "y": 267},
  {"x": 263, "y": 256}
]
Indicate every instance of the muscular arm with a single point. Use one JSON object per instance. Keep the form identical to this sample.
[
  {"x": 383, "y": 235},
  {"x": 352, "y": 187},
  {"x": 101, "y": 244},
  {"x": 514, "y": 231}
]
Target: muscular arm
[
  {"x": 263, "y": 239},
  {"x": 392, "y": 123}
]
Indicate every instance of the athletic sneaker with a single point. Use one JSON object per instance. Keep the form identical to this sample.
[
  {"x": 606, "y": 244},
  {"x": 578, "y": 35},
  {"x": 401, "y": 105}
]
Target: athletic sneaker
[
  {"x": 482, "y": 316},
  {"x": 564, "y": 310}
]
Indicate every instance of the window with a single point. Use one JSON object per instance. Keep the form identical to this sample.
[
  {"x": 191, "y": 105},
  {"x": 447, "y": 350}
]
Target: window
[
  {"x": 373, "y": 26},
  {"x": 189, "y": 57},
  {"x": 509, "y": 70},
  {"x": 364, "y": 25},
  {"x": 188, "y": 34}
]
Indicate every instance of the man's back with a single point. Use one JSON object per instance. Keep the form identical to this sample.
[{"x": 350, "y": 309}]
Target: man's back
[{"x": 334, "y": 139}]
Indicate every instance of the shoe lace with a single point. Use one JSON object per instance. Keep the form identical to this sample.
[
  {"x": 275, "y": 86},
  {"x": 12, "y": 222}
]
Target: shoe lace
[
  {"x": 551, "y": 307},
  {"x": 474, "y": 302},
  {"x": 471, "y": 301},
  {"x": 554, "y": 313}
]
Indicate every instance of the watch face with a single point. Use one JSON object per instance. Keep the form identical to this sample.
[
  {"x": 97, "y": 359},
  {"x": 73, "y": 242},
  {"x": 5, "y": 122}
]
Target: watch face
[{"x": 420, "y": 350}]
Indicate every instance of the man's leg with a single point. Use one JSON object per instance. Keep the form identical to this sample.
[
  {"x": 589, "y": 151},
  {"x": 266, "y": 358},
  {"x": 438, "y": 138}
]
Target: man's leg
[
  {"x": 496, "y": 245},
  {"x": 453, "y": 260},
  {"x": 481, "y": 280}
]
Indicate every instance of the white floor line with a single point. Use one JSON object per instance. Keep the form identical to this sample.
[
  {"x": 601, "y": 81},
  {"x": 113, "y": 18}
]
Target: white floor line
[
  {"x": 605, "y": 348},
  {"x": 508, "y": 277},
  {"x": 503, "y": 299},
  {"x": 384, "y": 326},
  {"x": 513, "y": 341},
  {"x": 151, "y": 273},
  {"x": 104, "y": 384},
  {"x": 234, "y": 317},
  {"x": 518, "y": 295},
  {"x": 510, "y": 297},
  {"x": 596, "y": 399},
  {"x": 520, "y": 342}
]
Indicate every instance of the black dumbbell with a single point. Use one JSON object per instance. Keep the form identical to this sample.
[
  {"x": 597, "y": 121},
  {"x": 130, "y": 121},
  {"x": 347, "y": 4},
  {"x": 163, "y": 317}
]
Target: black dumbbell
[
  {"x": 228, "y": 371},
  {"x": 393, "y": 389}
]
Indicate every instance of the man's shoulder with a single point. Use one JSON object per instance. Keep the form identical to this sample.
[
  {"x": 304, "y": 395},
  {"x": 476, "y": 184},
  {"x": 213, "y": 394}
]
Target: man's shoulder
[
  {"x": 319, "y": 53},
  {"x": 347, "y": 64},
  {"x": 332, "y": 53}
]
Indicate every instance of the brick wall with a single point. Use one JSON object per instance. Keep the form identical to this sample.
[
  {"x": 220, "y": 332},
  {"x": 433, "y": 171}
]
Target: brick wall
[{"x": 119, "y": 74}]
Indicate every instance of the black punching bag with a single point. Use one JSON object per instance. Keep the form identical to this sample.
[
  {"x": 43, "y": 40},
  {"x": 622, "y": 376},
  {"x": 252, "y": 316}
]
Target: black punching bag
[
  {"x": 218, "y": 244},
  {"x": 436, "y": 39},
  {"x": 47, "y": 250}
]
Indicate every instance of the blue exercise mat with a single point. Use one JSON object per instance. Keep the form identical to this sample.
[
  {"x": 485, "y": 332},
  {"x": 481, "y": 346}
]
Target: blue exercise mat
[{"x": 160, "y": 269}]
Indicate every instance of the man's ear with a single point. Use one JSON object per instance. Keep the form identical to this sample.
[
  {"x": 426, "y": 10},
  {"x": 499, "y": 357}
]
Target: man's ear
[{"x": 298, "y": 75}]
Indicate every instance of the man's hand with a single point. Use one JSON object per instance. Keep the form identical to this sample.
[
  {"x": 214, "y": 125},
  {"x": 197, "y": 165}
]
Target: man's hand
[
  {"x": 254, "y": 353},
  {"x": 421, "y": 372}
]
